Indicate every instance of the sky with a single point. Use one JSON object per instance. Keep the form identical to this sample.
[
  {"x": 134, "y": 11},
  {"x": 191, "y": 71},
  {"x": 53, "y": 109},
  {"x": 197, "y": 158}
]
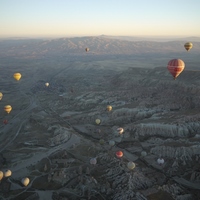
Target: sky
[{"x": 66, "y": 18}]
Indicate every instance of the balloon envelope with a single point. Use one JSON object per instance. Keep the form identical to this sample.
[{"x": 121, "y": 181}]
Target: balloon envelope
[
  {"x": 7, "y": 108},
  {"x": 120, "y": 130},
  {"x": 188, "y": 45},
  {"x": 7, "y": 173},
  {"x": 98, "y": 121},
  {"x": 160, "y": 161},
  {"x": 93, "y": 161},
  {"x": 1, "y": 95},
  {"x": 119, "y": 154},
  {"x": 25, "y": 181},
  {"x": 143, "y": 153},
  {"x": 111, "y": 143},
  {"x": 17, "y": 76},
  {"x": 175, "y": 67},
  {"x": 109, "y": 108},
  {"x": 5, "y": 121},
  {"x": 101, "y": 141},
  {"x": 131, "y": 165},
  {"x": 47, "y": 84},
  {"x": 1, "y": 175}
]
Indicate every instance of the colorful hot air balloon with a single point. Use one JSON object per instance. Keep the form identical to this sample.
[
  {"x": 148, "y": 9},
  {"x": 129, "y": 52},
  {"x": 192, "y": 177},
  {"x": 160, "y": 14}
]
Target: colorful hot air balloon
[
  {"x": 175, "y": 67},
  {"x": 25, "y": 181},
  {"x": 98, "y": 121},
  {"x": 1, "y": 175},
  {"x": 7, "y": 108},
  {"x": 17, "y": 76},
  {"x": 119, "y": 154},
  {"x": 131, "y": 165},
  {"x": 1, "y": 95},
  {"x": 109, "y": 108},
  {"x": 47, "y": 84},
  {"x": 87, "y": 49},
  {"x": 7, "y": 173},
  {"x": 188, "y": 45}
]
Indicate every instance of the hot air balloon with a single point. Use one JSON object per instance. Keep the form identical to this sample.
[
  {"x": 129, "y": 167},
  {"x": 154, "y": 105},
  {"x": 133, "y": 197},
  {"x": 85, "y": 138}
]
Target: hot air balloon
[
  {"x": 1, "y": 175},
  {"x": 131, "y": 165},
  {"x": 25, "y": 181},
  {"x": 93, "y": 161},
  {"x": 175, "y": 67},
  {"x": 87, "y": 49},
  {"x": 1, "y": 96},
  {"x": 17, "y": 76},
  {"x": 160, "y": 161},
  {"x": 143, "y": 153},
  {"x": 119, "y": 154},
  {"x": 98, "y": 121},
  {"x": 5, "y": 121},
  {"x": 47, "y": 84},
  {"x": 7, "y": 173},
  {"x": 111, "y": 143},
  {"x": 109, "y": 108},
  {"x": 188, "y": 45},
  {"x": 7, "y": 108},
  {"x": 120, "y": 131}
]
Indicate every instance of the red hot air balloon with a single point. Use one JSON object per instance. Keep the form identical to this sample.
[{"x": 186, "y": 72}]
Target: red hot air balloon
[
  {"x": 175, "y": 67},
  {"x": 5, "y": 121},
  {"x": 119, "y": 154}
]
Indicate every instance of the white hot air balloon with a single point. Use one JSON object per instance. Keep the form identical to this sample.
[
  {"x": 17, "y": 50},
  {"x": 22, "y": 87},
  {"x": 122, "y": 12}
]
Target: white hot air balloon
[
  {"x": 131, "y": 165},
  {"x": 93, "y": 161},
  {"x": 111, "y": 143},
  {"x": 143, "y": 153},
  {"x": 160, "y": 161}
]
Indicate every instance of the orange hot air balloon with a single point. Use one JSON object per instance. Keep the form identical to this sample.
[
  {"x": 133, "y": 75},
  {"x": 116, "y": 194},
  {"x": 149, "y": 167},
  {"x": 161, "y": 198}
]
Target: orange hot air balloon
[
  {"x": 175, "y": 67},
  {"x": 119, "y": 154},
  {"x": 7, "y": 108},
  {"x": 17, "y": 76}
]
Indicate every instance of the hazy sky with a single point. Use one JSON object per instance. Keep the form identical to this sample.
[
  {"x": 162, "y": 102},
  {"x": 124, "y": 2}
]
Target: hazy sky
[{"x": 57, "y": 18}]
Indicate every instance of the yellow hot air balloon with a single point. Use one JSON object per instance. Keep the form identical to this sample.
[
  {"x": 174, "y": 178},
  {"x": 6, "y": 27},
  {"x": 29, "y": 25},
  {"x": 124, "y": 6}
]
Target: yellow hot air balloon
[
  {"x": 7, "y": 108},
  {"x": 87, "y": 49},
  {"x": 131, "y": 165},
  {"x": 7, "y": 173},
  {"x": 47, "y": 84},
  {"x": 98, "y": 121},
  {"x": 25, "y": 181},
  {"x": 17, "y": 76},
  {"x": 1, "y": 95},
  {"x": 1, "y": 175},
  {"x": 188, "y": 45},
  {"x": 109, "y": 108}
]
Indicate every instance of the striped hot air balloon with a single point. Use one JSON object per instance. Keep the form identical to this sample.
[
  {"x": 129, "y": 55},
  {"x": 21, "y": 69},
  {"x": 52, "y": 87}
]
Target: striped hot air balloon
[{"x": 175, "y": 67}]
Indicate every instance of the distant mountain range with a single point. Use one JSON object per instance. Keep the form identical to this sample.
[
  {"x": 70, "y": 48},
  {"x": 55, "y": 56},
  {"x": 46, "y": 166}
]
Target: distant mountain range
[{"x": 102, "y": 45}]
